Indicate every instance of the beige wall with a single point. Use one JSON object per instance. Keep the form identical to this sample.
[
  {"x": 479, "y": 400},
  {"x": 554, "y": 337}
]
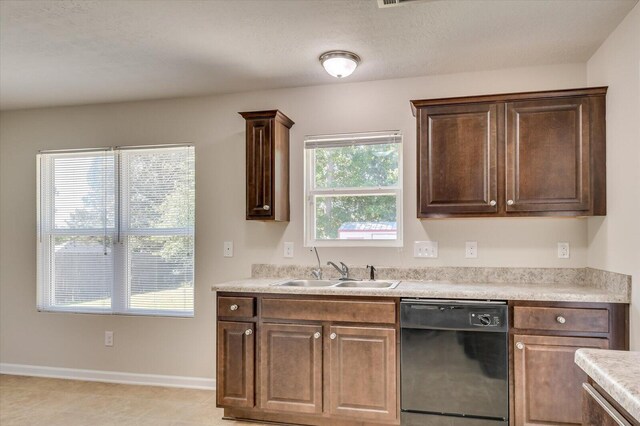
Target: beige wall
[
  {"x": 186, "y": 346},
  {"x": 614, "y": 241}
]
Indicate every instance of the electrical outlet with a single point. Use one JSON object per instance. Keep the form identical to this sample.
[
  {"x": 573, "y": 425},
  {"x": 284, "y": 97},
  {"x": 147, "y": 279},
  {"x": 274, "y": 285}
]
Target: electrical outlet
[
  {"x": 228, "y": 249},
  {"x": 108, "y": 338},
  {"x": 563, "y": 250},
  {"x": 288, "y": 249},
  {"x": 471, "y": 249},
  {"x": 428, "y": 249}
]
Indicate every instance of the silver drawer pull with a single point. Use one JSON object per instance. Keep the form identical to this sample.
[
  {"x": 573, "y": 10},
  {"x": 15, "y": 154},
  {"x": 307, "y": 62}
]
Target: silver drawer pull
[
  {"x": 316, "y": 335},
  {"x": 234, "y": 307},
  {"x": 332, "y": 336},
  {"x": 611, "y": 412},
  {"x": 492, "y": 203},
  {"x": 520, "y": 345},
  {"x": 561, "y": 319},
  {"x": 249, "y": 332},
  {"x": 266, "y": 207},
  {"x": 510, "y": 202}
]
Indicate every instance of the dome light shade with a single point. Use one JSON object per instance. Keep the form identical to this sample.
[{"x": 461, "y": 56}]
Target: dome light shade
[{"x": 339, "y": 63}]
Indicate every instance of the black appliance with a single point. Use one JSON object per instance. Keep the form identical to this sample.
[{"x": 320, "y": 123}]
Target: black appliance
[{"x": 454, "y": 363}]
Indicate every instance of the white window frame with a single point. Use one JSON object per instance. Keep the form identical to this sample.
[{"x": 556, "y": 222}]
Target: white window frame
[
  {"x": 310, "y": 192},
  {"x": 121, "y": 292},
  {"x": 46, "y": 231}
]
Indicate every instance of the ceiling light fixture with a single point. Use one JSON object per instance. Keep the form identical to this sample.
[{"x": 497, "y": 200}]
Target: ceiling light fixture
[{"x": 339, "y": 63}]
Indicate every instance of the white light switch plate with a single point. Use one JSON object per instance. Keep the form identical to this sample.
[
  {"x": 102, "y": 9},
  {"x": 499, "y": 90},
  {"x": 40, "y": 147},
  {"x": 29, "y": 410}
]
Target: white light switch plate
[
  {"x": 563, "y": 250},
  {"x": 108, "y": 338},
  {"x": 288, "y": 249},
  {"x": 427, "y": 249},
  {"x": 471, "y": 249},
  {"x": 228, "y": 249}
]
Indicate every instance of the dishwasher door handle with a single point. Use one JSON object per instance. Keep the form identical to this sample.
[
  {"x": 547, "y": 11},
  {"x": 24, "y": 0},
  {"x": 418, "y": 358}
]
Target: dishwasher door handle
[{"x": 435, "y": 307}]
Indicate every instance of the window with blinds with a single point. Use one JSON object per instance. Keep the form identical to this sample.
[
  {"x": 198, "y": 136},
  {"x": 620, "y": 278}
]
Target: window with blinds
[
  {"x": 353, "y": 189},
  {"x": 116, "y": 230}
]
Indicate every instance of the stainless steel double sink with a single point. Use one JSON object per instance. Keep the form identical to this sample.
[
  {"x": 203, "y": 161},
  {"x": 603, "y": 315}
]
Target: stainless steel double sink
[{"x": 339, "y": 283}]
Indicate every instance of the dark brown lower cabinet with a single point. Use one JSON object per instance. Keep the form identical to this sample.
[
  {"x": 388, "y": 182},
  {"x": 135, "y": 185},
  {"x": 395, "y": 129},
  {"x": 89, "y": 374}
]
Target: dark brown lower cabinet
[
  {"x": 362, "y": 370},
  {"x": 547, "y": 382},
  {"x": 291, "y": 368},
  {"x": 333, "y": 361},
  {"x": 235, "y": 364}
]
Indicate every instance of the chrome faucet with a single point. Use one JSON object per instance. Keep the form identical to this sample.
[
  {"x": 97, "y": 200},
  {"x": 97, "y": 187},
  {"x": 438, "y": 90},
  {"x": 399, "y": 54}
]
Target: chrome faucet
[
  {"x": 317, "y": 273},
  {"x": 344, "y": 270}
]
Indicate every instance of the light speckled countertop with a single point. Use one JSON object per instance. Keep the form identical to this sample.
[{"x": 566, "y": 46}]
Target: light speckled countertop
[
  {"x": 439, "y": 290},
  {"x": 617, "y": 372}
]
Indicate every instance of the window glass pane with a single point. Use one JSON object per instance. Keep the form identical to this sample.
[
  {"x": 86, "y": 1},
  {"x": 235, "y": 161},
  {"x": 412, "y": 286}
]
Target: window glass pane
[
  {"x": 160, "y": 188},
  {"x": 82, "y": 271},
  {"x": 161, "y": 273},
  {"x": 373, "y": 165},
  {"x": 83, "y": 191},
  {"x": 356, "y": 217},
  {"x": 149, "y": 270}
]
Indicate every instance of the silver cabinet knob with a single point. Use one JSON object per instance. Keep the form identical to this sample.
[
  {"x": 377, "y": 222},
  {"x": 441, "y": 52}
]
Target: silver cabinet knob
[
  {"x": 520, "y": 345},
  {"x": 332, "y": 336},
  {"x": 492, "y": 203},
  {"x": 561, "y": 319},
  {"x": 510, "y": 202},
  {"x": 249, "y": 332},
  {"x": 316, "y": 335},
  {"x": 266, "y": 207},
  {"x": 233, "y": 307}
]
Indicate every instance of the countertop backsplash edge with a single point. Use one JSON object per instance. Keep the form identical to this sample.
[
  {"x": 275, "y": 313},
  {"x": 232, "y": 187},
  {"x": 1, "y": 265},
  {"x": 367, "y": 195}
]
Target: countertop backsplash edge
[{"x": 610, "y": 282}]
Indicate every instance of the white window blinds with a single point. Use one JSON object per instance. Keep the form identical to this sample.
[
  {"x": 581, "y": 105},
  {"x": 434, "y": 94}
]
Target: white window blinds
[{"x": 116, "y": 231}]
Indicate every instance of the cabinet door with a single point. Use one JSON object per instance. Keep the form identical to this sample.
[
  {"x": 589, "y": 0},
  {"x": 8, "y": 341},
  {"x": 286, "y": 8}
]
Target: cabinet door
[
  {"x": 291, "y": 368},
  {"x": 259, "y": 168},
  {"x": 457, "y": 160},
  {"x": 548, "y": 383},
  {"x": 235, "y": 364},
  {"x": 547, "y": 155},
  {"x": 362, "y": 371}
]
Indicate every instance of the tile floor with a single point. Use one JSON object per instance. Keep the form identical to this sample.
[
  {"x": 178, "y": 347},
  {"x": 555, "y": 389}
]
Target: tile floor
[{"x": 27, "y": 401}]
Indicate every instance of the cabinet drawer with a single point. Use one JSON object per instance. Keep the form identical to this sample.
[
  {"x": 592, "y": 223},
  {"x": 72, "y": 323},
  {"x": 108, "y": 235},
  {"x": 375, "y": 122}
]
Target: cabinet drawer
[
  {"x": 236, "y": 307},
  {"x": 561, "y": 319},
  {"x": 330, "y": 310}
]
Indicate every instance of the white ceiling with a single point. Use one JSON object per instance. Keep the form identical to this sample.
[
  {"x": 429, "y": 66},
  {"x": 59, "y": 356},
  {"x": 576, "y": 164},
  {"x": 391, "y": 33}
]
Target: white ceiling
[{"x": 76, "y": 52}]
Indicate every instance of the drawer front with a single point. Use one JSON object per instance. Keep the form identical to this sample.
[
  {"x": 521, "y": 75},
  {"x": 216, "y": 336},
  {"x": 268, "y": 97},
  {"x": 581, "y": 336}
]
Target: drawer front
[
  {"x": 561, "y": 319},
  {"x": 329, "y": 310},
  {"x": 236, "y": 307}
]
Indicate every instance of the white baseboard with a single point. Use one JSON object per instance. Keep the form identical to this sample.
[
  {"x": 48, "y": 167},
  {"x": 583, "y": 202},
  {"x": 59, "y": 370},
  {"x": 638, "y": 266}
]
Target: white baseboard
[{"x": 108, "y": 376}]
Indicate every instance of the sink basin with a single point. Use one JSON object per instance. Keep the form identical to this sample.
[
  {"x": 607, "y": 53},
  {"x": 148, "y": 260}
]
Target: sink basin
[
  {"x": 369, "y": 284},
  {"x": 337, "y": 283},
  {"x": 307, "y": 283}
]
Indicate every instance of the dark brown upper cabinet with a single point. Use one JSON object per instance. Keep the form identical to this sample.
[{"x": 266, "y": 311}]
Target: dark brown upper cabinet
[
  {"x": 547, "y": 155},
  {"x": 457, "y": 159},
  {"x": 519, "y": 154},
  {"x": 267, "y": 134}
]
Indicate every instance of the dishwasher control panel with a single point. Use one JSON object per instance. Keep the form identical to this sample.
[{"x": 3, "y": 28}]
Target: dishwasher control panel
[
  {"x": 459, "y": 315},
  {"x": 484, "y": 319}
]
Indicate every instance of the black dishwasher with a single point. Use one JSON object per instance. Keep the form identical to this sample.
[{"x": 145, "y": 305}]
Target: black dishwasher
[{"x": 454, "y": 363}]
